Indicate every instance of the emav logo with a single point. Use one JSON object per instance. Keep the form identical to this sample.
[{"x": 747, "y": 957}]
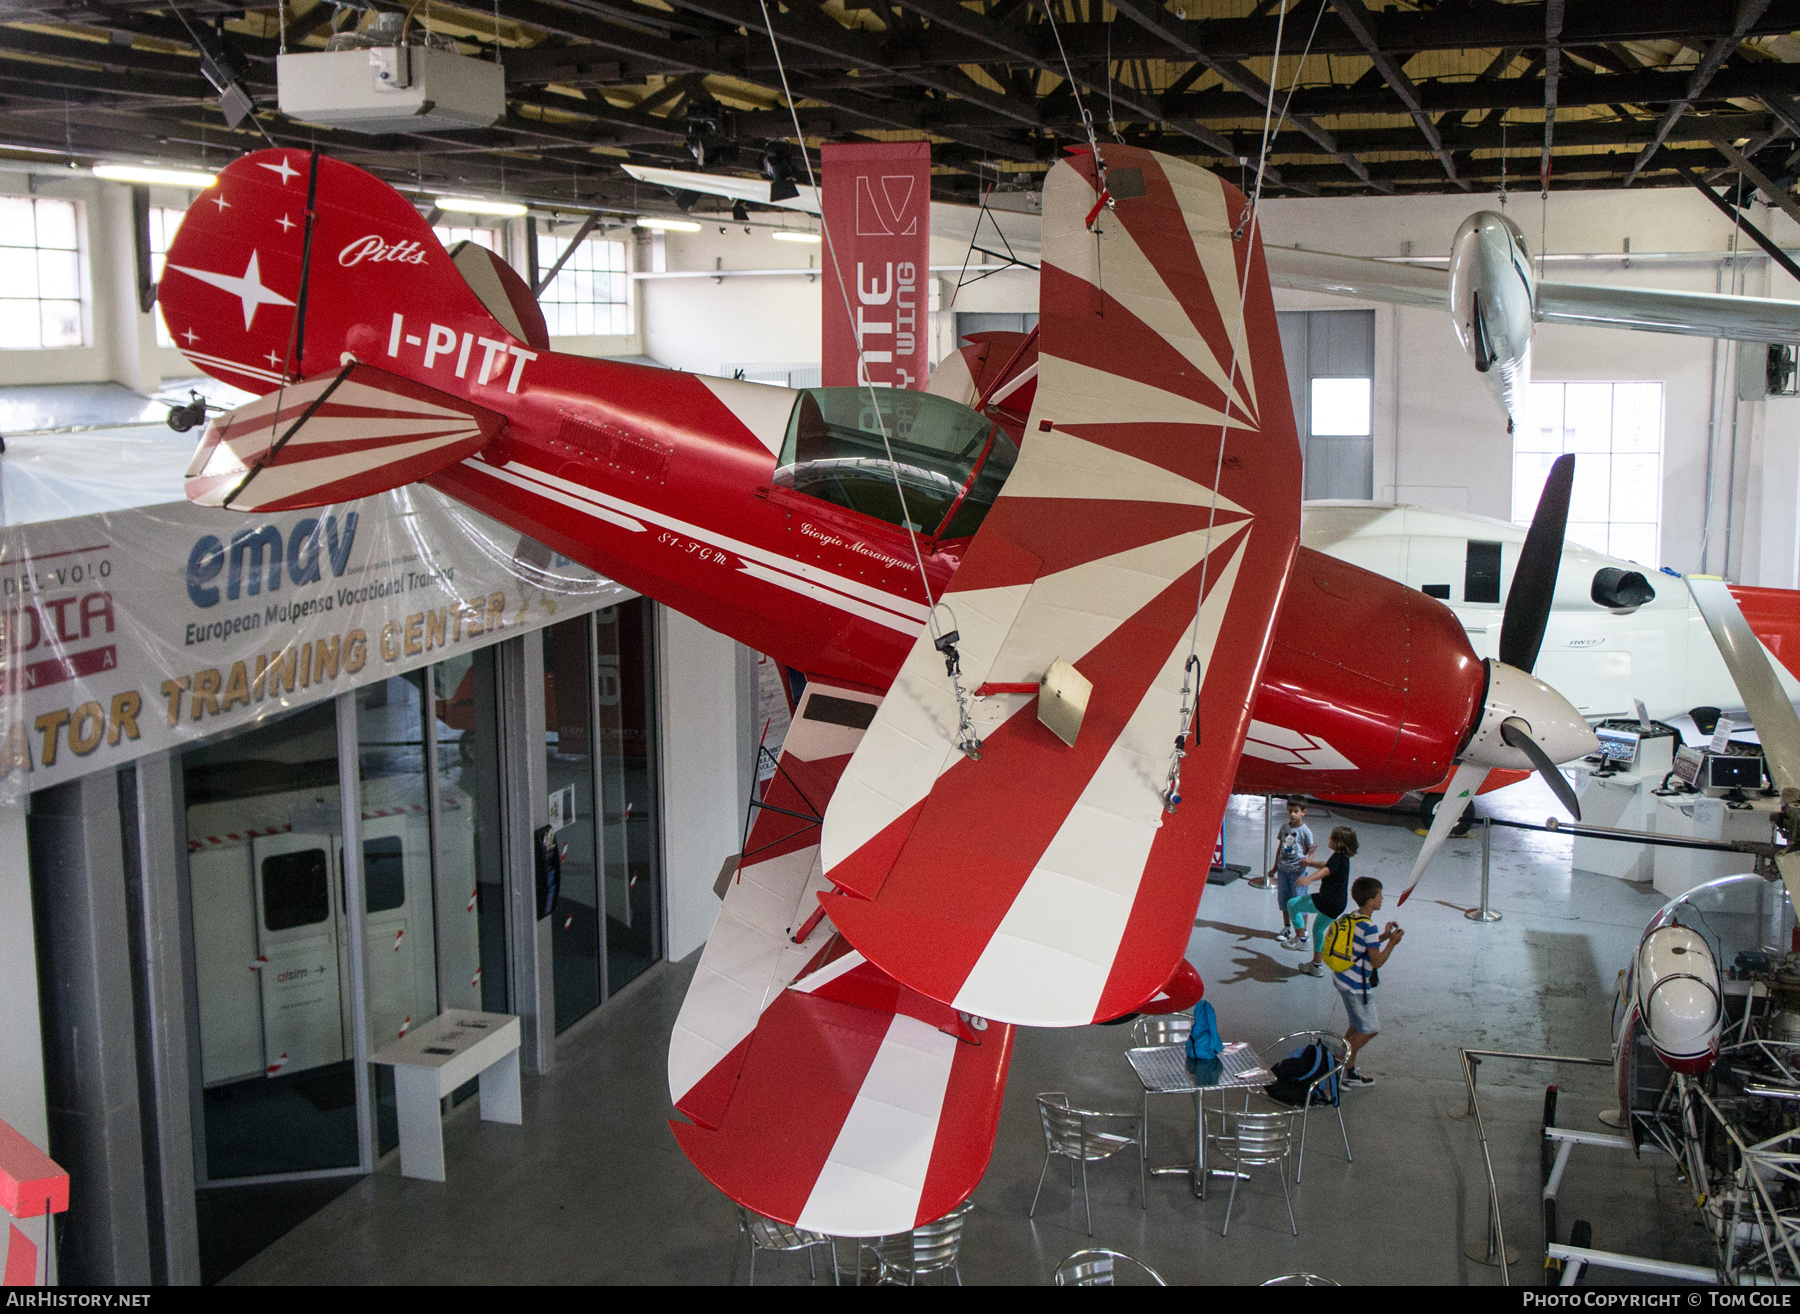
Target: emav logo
[{"x": 254, "y": 557}]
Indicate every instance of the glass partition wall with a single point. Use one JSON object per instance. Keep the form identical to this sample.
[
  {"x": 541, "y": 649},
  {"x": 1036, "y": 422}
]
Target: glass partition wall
[
  {"x": 271, "y": 922},
  {"x": 599, "y": 693},
  {"x": 275, "y": 911}
]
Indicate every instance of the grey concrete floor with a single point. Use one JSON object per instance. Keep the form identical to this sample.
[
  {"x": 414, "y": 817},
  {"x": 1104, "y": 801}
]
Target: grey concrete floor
[{"x": 592, "y": 1188}]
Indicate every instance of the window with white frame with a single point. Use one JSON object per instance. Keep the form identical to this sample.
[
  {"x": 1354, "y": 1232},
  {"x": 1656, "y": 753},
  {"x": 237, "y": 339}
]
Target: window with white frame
[
  {"x": 451, "y": 234},
  {"x": 163, "y": 223},
  {"x": 41, "y": 273},
  {"x": 1615, "y": 431},
  {"x": 591, "y": 293}
]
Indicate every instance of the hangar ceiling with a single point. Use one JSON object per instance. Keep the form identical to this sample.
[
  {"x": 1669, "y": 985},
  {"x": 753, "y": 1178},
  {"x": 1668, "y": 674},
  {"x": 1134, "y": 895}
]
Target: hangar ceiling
[{"x": 1396, "y": 98}]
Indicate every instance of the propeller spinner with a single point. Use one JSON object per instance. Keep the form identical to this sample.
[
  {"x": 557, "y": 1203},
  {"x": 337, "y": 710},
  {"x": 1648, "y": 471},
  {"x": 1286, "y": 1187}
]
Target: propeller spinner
[{"x": 1523, "y": 723}]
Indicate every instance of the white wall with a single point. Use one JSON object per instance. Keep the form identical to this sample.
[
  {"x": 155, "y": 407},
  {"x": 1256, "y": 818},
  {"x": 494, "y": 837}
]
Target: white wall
[
  {"x": 22, "y": 1101},
  {"x": 699, "y": 694},
  {"x": 698, "y": 324}
]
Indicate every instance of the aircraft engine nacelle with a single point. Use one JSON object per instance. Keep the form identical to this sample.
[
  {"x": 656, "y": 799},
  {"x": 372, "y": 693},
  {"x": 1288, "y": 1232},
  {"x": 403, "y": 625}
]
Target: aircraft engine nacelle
[
  {"x": 1493, "y": 302},
  {"x": 1676, "y": 989}
]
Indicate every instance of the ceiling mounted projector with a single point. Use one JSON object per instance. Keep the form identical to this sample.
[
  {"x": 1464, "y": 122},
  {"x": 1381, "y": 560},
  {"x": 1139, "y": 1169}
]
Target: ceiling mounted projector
[{"x": 387, "y": 80}]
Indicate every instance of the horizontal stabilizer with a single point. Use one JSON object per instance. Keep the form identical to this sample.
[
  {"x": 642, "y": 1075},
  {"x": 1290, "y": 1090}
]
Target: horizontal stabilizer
[{"x": 338, "y": 437}]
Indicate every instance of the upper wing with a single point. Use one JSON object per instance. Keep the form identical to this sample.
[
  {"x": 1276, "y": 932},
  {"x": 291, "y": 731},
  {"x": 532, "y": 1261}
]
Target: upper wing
[
  {"x": 1045, "y": 884},
  {"x": 838, "y": 1101},
  {"x": 1357, "y": 276},
  {"x": 1696, "y": 314},
  {"x": 1656, "y": 310}
]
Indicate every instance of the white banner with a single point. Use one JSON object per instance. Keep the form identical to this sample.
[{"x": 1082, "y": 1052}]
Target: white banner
[{"x": 134, "y": 631}]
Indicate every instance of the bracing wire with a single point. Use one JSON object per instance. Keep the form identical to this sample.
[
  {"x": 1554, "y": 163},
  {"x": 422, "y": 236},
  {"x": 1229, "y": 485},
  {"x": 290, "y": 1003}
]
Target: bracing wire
[
  {"x": 1191, "y": 670},
  {"x": 1087, "y": 119},
  {"x": 944, "y": 640}
]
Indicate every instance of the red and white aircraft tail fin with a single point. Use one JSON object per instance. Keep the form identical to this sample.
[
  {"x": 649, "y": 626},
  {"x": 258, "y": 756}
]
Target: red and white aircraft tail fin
[
  {"x": 301, "y": 276},
  {"x": 290, "y": 260}
]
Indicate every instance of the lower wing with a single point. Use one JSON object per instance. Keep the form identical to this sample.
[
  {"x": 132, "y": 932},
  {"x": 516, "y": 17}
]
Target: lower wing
[{"x": 821, "y": 1092}]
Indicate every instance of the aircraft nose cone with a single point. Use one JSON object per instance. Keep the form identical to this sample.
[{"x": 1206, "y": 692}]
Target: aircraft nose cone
[{"x": 1549, "y": 718}]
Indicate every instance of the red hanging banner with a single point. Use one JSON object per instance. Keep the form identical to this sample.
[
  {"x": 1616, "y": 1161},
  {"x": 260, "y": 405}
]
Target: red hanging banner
[{"x": 877, "y": 200}]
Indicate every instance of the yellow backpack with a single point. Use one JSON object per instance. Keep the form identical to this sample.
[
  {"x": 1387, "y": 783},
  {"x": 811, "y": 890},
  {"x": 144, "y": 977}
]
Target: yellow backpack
[{"x": 1339, "y": 950}]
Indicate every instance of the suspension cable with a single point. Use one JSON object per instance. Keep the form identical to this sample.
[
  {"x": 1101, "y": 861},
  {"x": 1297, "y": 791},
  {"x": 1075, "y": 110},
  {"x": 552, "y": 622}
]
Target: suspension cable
[
  {"x": 1192, "y": 670},
  {"x": 944, "y": 640}
]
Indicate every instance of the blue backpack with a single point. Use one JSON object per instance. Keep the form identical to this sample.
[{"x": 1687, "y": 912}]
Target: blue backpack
[{"x": 1203, "y": 1041}]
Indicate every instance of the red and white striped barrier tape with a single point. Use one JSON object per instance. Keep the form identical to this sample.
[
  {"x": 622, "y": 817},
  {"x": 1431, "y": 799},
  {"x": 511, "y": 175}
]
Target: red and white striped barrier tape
[
  {"x": 244, "y": 836},
  {"x": 278, "y": 1064}
]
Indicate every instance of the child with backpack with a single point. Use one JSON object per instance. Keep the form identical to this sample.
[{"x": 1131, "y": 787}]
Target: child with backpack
[
  {"x": 1355, "y": 953},
  {"x": 1327, "y": 902}
]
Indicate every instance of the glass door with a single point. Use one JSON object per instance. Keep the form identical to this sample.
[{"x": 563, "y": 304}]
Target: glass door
[
  {"x": 569, "y": 773},
  {"x": 626, "y": 698},
  {"x": 271, "y": 946}
]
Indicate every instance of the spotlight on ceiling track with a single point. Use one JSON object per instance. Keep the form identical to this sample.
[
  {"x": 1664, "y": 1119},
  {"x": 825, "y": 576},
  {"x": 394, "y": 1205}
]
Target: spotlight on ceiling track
[
  {"x": 474, "y": 205},
  {"x": 780, "y": 167},
  {"x": 788, "y": 235},
  {"x": 132, "y": 173},
  {"x": 668, "y": 225}
]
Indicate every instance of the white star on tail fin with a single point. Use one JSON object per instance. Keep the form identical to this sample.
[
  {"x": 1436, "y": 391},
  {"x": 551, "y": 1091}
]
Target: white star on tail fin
[{"x": 249, "y": 288}]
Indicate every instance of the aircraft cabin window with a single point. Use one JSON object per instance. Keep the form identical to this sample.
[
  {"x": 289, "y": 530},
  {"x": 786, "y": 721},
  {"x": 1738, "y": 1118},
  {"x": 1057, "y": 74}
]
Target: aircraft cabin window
[
  {"x": 384, "y": 873},
  {"x": 295, "y": 890},
  {"x": 1481, "y": 572},
  {"x": 951, "y": 461}
]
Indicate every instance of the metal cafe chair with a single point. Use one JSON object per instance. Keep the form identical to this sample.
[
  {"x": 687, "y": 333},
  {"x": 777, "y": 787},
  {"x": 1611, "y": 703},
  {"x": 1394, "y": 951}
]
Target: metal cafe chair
[
  {"x": 1320, "y": 1092},
  {"x": 1106, "y": 1268},
  {"x": 1078, "y": 1135},
  {"x": 1253, "y": 1140},
  {"x": 1159, "y": 1029},
  {"x": 929, "y": 1248},
  {"x": 767, "y": 1234}
]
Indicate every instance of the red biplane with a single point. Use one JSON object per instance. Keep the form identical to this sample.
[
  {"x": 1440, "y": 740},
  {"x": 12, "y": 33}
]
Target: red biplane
[{"x": 1050, "y": 613}]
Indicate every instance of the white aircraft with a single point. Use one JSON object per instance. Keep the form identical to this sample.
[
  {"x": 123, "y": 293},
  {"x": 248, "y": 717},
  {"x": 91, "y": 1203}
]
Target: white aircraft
[
  {"x": 1495, "y": 301},
  {"x": 1616, "y": 632},
  {"x": 1493, "y": 298}
]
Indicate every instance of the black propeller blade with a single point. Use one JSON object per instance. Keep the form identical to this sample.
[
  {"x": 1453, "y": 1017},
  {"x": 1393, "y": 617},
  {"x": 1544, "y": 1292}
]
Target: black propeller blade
[
  {"x": 1516, "y": 736},
  {"x": 1534, "y": 579}
]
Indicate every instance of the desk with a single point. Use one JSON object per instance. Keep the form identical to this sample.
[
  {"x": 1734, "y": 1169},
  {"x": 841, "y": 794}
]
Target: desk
[
  {"x": 1163, "y": 1070},
  {"x": 1676, "y": 871},
  {"x": 434, "y": 1060},
  {"x": 1621, "y": 800}
]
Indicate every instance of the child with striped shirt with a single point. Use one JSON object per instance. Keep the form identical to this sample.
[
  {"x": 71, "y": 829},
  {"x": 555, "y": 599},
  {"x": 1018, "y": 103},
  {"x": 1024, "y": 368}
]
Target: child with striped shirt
[{"x": 1356, "y": 984}]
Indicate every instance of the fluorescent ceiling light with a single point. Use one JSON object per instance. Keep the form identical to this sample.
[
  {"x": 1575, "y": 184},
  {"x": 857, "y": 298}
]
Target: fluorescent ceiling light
[
  {"x": 668, "y": 225},
  {"x": 472, "y": 205},
  {"x": 133, "y": 173},
  {"x": 789, "y": 235}
]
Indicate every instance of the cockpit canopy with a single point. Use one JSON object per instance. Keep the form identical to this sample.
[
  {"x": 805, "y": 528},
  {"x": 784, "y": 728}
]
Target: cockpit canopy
[{"x": 947, "y": 465}]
